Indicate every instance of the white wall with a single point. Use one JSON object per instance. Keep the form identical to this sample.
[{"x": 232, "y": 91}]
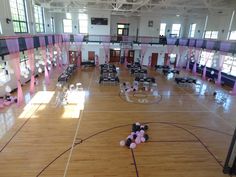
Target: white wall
[{"x": 200, "y": 22}]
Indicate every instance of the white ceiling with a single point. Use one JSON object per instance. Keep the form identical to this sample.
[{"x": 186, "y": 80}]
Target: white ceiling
[{"x": 137, "y": 7}]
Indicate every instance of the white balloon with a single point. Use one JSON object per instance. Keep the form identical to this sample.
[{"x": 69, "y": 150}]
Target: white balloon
[
  {"x": 40, "y": 70},
  {"x": 8, "y": 89},
  {"x": 212, "y": 72},
  {"x": 49, "y": 68},
  {"x": 25, "y": 76},
  {"x": 37, "y": 65}
]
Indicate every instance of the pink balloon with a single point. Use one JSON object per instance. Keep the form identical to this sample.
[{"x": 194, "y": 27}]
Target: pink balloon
[
  {"x": 137, "y": 140},
  {"x": 143, "y": 140},
  {"x": 132, "y": 146}
]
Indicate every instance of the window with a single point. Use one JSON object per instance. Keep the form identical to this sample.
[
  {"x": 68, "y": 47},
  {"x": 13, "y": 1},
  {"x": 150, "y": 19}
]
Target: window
[
  {"x": 68, "y": 16},
  {"x": 83, "y": 23},
  {"x": 211, "y": 34},
  {"x": 67, "y": 24},
  {"x": 39, "y": 22},
  {"x": 0, "y": 28},
  {"x": 163, "y": 29},
  {"x": 52, "y": 25},
  {"x": 229, "y": 65},
  {"x": 192, "y": 30},
  {"x": 176, "y": 29},
  {"x": 18, "y": 14},
  {"x": 4, "y": 75},
  {"x": 232, "y": 35},
  {"x": 206, "y": 57}
]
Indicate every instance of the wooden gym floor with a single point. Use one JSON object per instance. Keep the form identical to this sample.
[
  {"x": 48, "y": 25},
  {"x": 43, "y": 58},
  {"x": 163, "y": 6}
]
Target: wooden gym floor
[{"x": 189, "y": 133}]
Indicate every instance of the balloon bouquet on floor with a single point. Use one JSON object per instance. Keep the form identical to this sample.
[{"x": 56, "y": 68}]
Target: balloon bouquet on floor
[{"x": 137, "y": 136}]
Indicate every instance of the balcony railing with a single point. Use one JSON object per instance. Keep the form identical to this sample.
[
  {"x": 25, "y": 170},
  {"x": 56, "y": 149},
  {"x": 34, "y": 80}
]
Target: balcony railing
[{"x": 224, "y": 46}]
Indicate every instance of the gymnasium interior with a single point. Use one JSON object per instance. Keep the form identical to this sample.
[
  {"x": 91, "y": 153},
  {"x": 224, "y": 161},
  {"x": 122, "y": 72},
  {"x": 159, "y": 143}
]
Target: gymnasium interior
[{"x": 117, "y": 88}]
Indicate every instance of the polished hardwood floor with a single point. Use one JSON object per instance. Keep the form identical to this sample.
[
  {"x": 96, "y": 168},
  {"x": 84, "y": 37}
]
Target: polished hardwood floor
[{"x": 189, "y": 131}]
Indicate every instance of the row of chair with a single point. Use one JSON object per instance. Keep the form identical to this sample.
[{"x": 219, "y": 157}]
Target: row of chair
[{"x": 64, "y": 77}]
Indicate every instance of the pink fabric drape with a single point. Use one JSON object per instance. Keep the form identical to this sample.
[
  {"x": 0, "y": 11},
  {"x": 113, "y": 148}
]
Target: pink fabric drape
[
  {"x": 189, "y": 58},
  {"x": 50, "y": 47},
  {"x": 144, "y": 48},
  {"x": 96, "y": 60},
  {"x": 58, "y": 44},
  {"x": 149, "y": 61},
  {"x": 66, "y": 44},
  {"x": 204, "y": 69},
  {"x": 197, "y": 56},
  {"x": 169, "y": 50},
  {"x": 44, "y": 55},
  {"x": 126, "y": 56},
  {"x": 79, "y": 41},
  {"x": 13, "y": 48},
  {"x": 233, "y": 92},
  {"x": 221, "y": 62},
  {"x": 106, "y": 46},
  {"x": 179, "y": 60},
  {"x": 30, "y": 46}
]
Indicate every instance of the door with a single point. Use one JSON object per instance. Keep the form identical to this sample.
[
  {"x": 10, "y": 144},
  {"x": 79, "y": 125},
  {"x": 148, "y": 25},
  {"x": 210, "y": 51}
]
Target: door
[
  {"x": 130, "y": 58},
  {"x": 91, "y": 55},
  {"x": 114, "y": 56},
  {"x": 73, "y": 57},
  {"x": 154, "y": 59}
]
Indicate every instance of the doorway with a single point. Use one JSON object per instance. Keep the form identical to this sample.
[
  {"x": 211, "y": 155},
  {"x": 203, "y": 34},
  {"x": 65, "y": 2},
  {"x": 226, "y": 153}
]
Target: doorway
[
  {"x": 122, "y": 30},
  {"x": 73, "y": 57},
  {"x": 91, "y": 55},
  {"x": 154, "y": 59},
  {"x": 114, "y": 56},
  {"x": 130, "y": 57}
]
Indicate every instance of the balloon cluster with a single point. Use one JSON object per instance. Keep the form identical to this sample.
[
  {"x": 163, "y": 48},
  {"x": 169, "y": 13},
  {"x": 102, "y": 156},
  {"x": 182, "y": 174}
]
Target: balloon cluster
[
  {"x": 137, "y": 136},
  {"x": 127, "y": 87}
]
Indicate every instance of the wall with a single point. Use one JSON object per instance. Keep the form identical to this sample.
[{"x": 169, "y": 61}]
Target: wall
[
  {"x": 132, "y": 21},
  {"x": 199, "y": 21}
]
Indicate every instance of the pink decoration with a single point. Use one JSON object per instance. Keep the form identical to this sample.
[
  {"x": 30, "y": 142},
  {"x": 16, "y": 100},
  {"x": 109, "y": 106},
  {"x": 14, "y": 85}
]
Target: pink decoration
[
  {"x": 44, "y": 54},
  {"x": 233, "y": 92},
  {"x": 221, "y": 62},
  {"x": 181, "y": 51},
  {"x": 106, "y": 47},
  {"x": 30, "y": 47},
  {"x": 143, "y": 139},
  {"x": 13, "y": 48},
  {"x": 126, "y": 56},
  {"x": 79, "y": 41},
  {"x": 97, "y": 60},
  {"x": 197, "y": 56},
  {"x": 149, "y": 61},
  {"x": 138, "y": 140},
  {"x": 132, "y": 146}
]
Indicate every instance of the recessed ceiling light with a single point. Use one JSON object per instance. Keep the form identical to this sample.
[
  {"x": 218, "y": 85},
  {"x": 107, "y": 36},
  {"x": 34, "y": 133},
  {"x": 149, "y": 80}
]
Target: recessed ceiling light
[{"x": 177, "y": 15}]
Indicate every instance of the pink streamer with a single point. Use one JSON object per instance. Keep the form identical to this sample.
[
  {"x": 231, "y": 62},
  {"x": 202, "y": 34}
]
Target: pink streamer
[
  {"x": 204, "y": 69},
  {"x": 44, "y": 54},
  {"x": 30, "y": 51},
  {"x": 97, "y": 60},
  {"x": 181, "y": 51},
  {"x": 233, "y": 92},
  {"x": 221, "y": 62},
  {"x": 13, "y": 48},
  {"x": 79, "y": 42},
  {"x": 106, "y": 47},
  {"x": 197, "y": 56},
  {"x": 126, "y": 56}
]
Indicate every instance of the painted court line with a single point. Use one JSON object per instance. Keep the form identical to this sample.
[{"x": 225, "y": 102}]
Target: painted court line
[{"x": 76, "y": 134}]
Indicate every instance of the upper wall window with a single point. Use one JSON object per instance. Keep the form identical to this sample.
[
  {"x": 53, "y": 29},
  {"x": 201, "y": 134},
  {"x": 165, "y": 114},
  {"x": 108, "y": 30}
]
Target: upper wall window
[
  {"x": 67, "y": 25},
  {"x": 0, "y": 28},
  {"x": 83, "y": 23},
  {"x": 18, "y": 14},
  {"x": 211, "y": 34},
  {"x": 232, "y": 35},
  {"x": 176, "y": 29},
  {"x": 163, "y": 29},
  {"x": 39, "y": 20},
  {"x": 192, "y": 30},
  {"x": 52, "y": 25}
]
